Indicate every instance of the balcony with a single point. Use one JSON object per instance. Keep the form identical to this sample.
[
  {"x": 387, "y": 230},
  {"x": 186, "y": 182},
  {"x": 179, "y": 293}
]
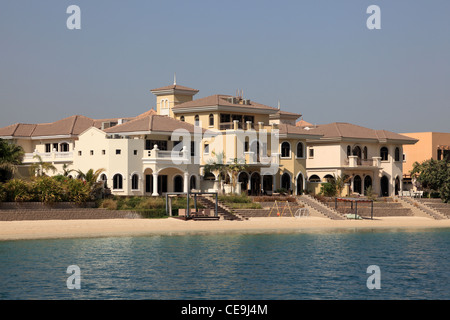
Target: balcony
[
  {"x": 356, "y": 162},
  {"x": 48, "y": 157},
  {"x": 156, "y": 155}
]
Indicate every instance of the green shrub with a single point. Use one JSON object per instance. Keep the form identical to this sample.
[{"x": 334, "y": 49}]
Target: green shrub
[
  {"x": 18, "y": 191},
  {"x": 328, "y": 189},
  {"x": 48, "y": 190},
  {"x": 2, "y": 193},
  {"x": 77, "y": 191},
  {"x": 109, "y": 204},
  {"x": 242, "y": 198}
]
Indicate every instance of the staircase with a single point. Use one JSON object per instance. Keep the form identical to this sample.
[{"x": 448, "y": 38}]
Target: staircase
[
  {"x": 223, "y": 211},
  {"x": 321, "y": 208},
  {"x": 437, "y": 204},
  {"x": 422, "y": 208}
]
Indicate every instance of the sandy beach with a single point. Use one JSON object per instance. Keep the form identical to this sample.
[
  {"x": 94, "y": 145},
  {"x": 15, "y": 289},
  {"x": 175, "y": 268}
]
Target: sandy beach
[{"x": 54, "y": 229}]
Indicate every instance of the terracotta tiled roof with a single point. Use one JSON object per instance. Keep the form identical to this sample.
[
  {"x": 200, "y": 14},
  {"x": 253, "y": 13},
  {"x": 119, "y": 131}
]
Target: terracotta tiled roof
[
  {"x": 291, "y": 129},
  {"x": 18, "y": 130},
  {"x": 348, "y": 130},
  {"x": 221, "y": 100},
  {"x": 150, "y": 121},
  {"x": 175, "y": 87},
  {"x": 303, "y": 123}
]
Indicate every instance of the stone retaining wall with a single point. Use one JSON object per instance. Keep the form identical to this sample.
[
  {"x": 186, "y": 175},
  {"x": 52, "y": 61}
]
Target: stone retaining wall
[{"x": 59, "y": 211}]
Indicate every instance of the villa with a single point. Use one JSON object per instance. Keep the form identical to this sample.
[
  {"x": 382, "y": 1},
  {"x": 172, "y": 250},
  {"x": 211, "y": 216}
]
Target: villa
[{"x": 166, "y": 149}]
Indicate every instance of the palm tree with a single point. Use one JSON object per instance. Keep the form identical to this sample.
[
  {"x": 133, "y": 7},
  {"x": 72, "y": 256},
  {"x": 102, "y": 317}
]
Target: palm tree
[
  {"x": 11, "y": 156},
  {"x": 39, "y": 168},
  {"x": 91, "y": 178},
  {"x": 235, "y": 167},
  {"x": 66, "y": 171},
  {"x": 217, "y": 165}
]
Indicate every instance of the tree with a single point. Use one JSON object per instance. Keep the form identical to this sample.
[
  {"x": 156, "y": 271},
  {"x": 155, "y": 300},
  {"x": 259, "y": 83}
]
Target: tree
[
  {"x": 91, "y": 178},
  {"x": 40, "y": 168},
  {"x": 433, "y": 175},
  {"x": 234, "y": 168},
  {"x": 11, "y": 155},
  {"x": 217, "y": 165},
  {"x": 340, "y": 182}
]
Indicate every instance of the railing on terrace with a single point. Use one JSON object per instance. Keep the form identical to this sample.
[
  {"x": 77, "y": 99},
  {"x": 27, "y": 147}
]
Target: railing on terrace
[{"x": 47, "y": 156}]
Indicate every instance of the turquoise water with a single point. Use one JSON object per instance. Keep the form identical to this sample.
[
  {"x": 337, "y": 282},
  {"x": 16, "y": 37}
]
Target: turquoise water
[{"x": 333, "y": 265}]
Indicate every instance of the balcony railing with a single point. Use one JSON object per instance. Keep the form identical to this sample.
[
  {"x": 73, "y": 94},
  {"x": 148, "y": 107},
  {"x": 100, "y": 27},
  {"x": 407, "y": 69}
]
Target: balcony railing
[
  {"x": 48, "y": 156},
  {"x": 354, "y": 161}
]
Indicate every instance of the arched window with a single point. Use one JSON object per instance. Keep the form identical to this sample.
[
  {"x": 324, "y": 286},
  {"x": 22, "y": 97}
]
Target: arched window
[
  {"x": 314, "y": 178},
  {"x": 197, "y": 120},
  {"x": 286, "y": 181},
  {"x": 182, "y": 118},
  {"x": 285, "y": 150},
  {"x": 192, "y": 182},
  {"x": 349, "y": 151},
  {"x": 117, "y": 181},
  {"x": 397, "y": 154},
  {"x": 384, "y": 154},
  {"x": 105, "y": 180},
  {"x": 134, "y": 182},
  {"x": 365, "y": 153},
  {"x": 300, "y": 151},
  {"x": 64, "y": 147},
  {"x": 211, "y": 120}
]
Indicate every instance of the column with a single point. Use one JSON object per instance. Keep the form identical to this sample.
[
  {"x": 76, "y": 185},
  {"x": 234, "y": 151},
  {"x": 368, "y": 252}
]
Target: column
[
  {"x": 186, "y": 182},
  {"x": 155, "y": 185}
]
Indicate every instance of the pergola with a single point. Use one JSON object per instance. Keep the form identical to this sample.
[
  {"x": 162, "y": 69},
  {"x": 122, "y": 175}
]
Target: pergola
[
  {"x": 354, "y": 204},
  {"x": 170, "y": 195}
]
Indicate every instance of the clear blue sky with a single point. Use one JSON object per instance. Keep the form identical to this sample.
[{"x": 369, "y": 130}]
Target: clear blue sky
[{"x": 317, "y": 57}]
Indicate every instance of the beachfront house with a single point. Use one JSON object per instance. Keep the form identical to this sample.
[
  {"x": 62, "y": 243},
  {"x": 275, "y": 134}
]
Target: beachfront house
[{"x": 367, "y": 157}]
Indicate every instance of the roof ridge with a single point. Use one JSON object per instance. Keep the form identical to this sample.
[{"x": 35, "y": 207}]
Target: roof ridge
[{"x": 337, "y": 128}]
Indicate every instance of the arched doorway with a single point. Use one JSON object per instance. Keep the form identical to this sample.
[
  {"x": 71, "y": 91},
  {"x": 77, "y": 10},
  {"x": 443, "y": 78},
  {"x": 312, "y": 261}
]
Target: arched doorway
[
  {"x": 384, "y": 182},
  {"x": 286, "y": 181},
  {"x": 357, "y": 152},
  {"x": 397, "y": 186},
  {"x": 267, "y": 183},
  {"x": 243, "y": 179},
  {"x": 357, "y": 184},
  {"x": 178, "y": 184},
  {"x": 255, "y": 183},
  {"x": 367, "y": 183},
  {"x": 299, "y": 184}
]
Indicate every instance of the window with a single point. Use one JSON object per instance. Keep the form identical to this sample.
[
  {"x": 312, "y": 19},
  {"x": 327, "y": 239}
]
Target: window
[
  {"x": 206, "y": 150},
  {"x": 193, "y": 149},
  {"x": 311, "y": 153},
  {"x": 164, "y": 103},
  {"x": 365, "y": 153},
  {"x": 300, "y": 150},
  {"x": 55, "y": 146},
  {"x": 397, "y": 154},
  {"x": 182, "y": 118},
  {"x": 404, "y": 157},
  {"x": 314, "y": 178},
  {"x": 135, "y": 152},
  {"x": 79, "y": 153},
  {"x": 197, "y": 120},
  {"x": 48, "y": 147},
  {"x": 64, "y": 147},
  {"x": 92, "y": 152},
  {"x": 384, "y": 154},
  {"x": 162, "y": 144},
  {"x": 105, "y": 180},
  {"x": 285, "y": 150},
  {"x": 118, "y": 151},
  {"x": 134, "y": 182},
  {"x": 211, "y": 120},
  {"x": 349, "y": 151},
  {"x": 103, "y": 152},
  {"x": 117, "y": 182}
]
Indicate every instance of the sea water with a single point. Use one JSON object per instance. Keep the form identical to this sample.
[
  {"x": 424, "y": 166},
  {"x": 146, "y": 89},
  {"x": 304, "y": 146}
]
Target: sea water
[{"x": 256, "y": 266}]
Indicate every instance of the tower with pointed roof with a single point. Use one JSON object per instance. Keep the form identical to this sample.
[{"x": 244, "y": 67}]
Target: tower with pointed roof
[{"x": 169, "y": 96}]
